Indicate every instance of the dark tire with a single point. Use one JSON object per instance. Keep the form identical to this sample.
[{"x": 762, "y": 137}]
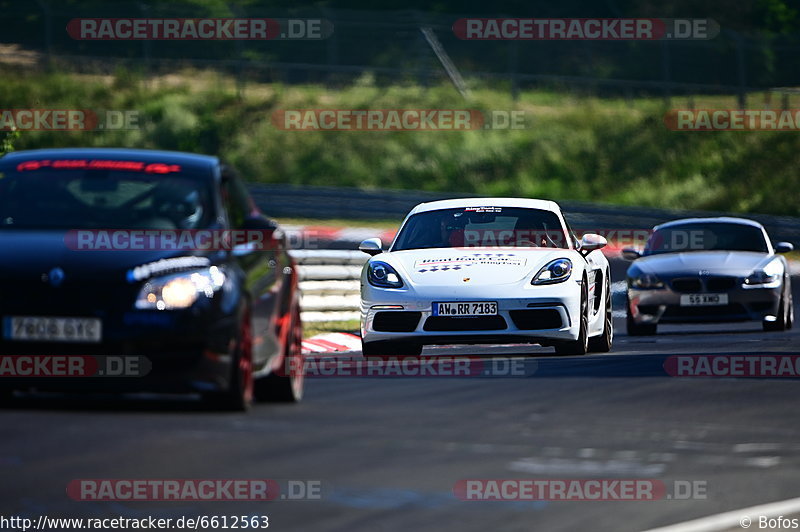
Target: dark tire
[
  {"x": 580, "y": 346},
  {"x": 637, "y": 329},
  {"x": 6, "y": 397},
  {"x": 603, "y": 343},
  {"x": 286, "y": 386},
  {"x": 239, "y": 395},
  {"x": 785, "y": 316},
  {"x": 393, "y": 349}
]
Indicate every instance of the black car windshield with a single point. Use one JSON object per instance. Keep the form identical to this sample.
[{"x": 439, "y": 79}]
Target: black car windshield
[
  {"x": 49, "y": 198},
  {"x": 482, "y": 227},
  {"x": 717, "y": 236}
]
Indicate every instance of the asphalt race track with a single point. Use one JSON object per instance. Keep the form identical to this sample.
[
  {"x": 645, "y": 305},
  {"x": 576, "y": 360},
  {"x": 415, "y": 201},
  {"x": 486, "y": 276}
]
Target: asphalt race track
[{"x": 388, "y": 452}]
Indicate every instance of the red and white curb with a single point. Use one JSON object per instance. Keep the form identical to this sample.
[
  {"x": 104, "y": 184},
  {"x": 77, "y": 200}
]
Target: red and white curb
[
  {"x": 332, "y": 343},
  {"x": 312, "y": 235}
]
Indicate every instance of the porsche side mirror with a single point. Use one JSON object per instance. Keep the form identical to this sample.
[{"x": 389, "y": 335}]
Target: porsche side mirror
[
  {"x": 591, "y": 242},
  {"x": 784, "y": 247},
  {"x": 371, "y": 246}
]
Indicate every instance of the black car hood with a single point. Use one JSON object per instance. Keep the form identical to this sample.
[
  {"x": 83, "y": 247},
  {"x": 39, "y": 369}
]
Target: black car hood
[{"x": 30, "y": 254}]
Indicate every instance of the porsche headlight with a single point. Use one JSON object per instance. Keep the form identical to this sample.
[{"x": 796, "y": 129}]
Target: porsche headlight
[
  {"x": 180, "y": 290},
  {"x": 555, "y": 271},
  {"x": 645, "y": 281},
  {"x": 383, "y": 275}
]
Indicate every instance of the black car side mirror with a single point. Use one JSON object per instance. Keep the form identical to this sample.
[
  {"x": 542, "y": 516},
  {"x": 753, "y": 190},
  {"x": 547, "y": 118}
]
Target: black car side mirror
[
  {"x": 257, "y": 232},
  {"x": 259, "y": 223}
]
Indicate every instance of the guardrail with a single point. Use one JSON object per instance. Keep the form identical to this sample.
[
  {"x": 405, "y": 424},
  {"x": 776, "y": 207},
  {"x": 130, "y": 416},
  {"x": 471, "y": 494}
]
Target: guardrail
[
  {"x": 329, "y": 283},
  {"x": 356, "y": 204}
]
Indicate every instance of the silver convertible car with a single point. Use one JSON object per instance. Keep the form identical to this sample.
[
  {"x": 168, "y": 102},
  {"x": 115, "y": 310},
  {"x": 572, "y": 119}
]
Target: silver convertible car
[{"x": 709, "y": 270}]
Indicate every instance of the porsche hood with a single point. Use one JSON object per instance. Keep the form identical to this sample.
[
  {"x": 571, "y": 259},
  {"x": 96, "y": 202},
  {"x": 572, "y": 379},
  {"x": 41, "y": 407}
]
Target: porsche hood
[{"x": 481, "y": 266}]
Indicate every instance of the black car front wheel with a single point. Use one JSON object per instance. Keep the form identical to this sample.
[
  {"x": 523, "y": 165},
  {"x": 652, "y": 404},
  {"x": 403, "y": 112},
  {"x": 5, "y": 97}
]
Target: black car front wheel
[
  {"x": 239, "y": 395},
  {"x": 6, "y": 397},
  {"x": 286, "y": 385}
]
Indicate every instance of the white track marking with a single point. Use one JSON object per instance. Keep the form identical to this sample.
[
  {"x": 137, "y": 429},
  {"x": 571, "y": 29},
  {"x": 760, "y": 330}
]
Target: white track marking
[{"x": 732, "y": 519}]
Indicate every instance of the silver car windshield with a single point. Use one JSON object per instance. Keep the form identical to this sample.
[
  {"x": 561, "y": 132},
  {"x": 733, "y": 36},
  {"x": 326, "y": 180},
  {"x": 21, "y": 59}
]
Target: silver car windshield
[{"x": 717, "y": 236}]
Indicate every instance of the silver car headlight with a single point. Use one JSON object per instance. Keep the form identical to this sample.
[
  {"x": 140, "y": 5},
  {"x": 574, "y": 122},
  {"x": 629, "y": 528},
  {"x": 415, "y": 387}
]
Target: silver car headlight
[
  {"x": 760, "y": 277},
  {"x": 556, "y": 271},
  {"x": 180, "y": 290},
  {"x": 645, "y": 281},
  {"x": 770, "y": 274}
]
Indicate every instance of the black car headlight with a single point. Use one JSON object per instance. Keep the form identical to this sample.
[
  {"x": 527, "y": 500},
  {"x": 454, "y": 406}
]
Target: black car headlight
[
  {"x": 180, "y": 290},
  {"x": 383, "y": 275},
  {"x": 646, "y": 281},
  {"x": 556, "y": 271}
]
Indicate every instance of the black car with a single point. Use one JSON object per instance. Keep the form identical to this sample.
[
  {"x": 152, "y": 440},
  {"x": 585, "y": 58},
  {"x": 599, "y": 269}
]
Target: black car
[{"x": 160, "y": 256}]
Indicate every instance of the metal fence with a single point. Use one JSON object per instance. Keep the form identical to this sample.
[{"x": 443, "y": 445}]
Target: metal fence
[
  {"x": 356, "y": 204},
  {"x": 395, "y": 46}
]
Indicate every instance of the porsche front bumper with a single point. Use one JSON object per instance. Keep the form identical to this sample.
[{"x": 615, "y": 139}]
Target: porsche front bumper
[{"x": 530, "y": 314}]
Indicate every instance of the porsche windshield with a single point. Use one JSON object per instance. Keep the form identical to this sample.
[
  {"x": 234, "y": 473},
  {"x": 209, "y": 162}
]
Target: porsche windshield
[
  {"x": 482, "y": 227},
  {"x": 716, "y": 236},
  {"x": 81, "y": 198}
]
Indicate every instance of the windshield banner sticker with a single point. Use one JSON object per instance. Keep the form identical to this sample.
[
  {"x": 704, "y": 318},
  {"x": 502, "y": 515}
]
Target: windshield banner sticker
[{"x": 463, "y": 261}]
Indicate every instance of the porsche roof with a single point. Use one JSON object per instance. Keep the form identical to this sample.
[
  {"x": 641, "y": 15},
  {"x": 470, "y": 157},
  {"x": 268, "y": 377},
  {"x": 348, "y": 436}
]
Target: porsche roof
[{"x": 526, "y": 203}]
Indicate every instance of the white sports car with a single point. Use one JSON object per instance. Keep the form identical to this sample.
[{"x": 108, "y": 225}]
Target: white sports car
[{"x": 486, "y": 270}]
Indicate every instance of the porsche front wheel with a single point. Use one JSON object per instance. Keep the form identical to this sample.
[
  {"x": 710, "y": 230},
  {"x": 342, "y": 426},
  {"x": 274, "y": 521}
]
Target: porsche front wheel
[{"x": 579, "y": 346}]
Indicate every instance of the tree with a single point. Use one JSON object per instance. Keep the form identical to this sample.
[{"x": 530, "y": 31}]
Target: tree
[{"x": 7, "y": 139}]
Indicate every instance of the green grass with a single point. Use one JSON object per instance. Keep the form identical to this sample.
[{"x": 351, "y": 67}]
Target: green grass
[
  {"x": 613, "y": 151},
  {"x": 312, "y": 328}
]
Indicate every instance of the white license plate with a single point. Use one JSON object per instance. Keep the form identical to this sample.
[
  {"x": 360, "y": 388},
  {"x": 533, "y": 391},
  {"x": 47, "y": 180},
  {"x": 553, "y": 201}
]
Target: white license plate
[
  {"x": 465, "y": 308},
  {"x": 703, "y": 300},
  {"x": 49, "y": 329}
]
